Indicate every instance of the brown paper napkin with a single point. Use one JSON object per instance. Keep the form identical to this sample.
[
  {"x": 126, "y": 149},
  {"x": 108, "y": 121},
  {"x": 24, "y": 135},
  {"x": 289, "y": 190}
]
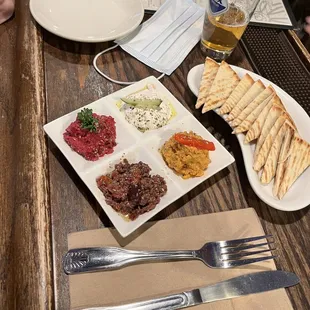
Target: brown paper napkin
[{"x": 151, "y": 280}]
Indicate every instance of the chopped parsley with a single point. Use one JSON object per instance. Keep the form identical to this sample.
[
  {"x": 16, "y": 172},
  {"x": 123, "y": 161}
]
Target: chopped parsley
[{"x": 87, "y": 120}]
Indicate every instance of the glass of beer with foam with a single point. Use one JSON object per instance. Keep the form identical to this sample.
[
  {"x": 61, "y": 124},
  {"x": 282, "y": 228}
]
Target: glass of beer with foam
[{"x": 224, "y": 23}]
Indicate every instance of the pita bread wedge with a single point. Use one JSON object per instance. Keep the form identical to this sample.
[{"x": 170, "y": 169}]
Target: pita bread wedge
[
  {"x": 224, "y": 83},
  {"x": 279, "y": 103},
  {"x": 251, "y": 118},
  {"x": 282, "y": 160},
  {"x": 297, "y": 163},
  {"x": 270, "y": 166},
  {"x": 210, "y": 69},
  {"x": 251, "y": 107},
  {"x": 250, "y": 95},
  {"x": 256, "y": 128},
  {"x": 243, "y": 86},
  {"x": 272, "y": 117},
  {"x": 261, "y": 157}
]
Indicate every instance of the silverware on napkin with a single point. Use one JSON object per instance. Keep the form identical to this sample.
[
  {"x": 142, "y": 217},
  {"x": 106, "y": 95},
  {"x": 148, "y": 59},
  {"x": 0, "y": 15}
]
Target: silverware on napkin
[
  {"x": 219, "y": 254},
  {"x": 240, "y": 286}
]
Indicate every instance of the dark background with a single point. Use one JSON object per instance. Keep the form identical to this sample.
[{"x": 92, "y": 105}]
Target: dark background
[{"x": 301, "y": 9}]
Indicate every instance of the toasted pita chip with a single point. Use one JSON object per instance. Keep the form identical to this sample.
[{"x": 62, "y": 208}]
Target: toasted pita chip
[
  {"x": 224, "y": 83},
  {"x": 273, "y": 115},
  {"x": 255, "y": 130},
  {"x": 243, "y": 86},
  {"x": 251, "y": 107},
  {"x": 269, "y": 170},
  {"x": 261, "y": 157},
  {"x": 251, "y": 118},
  {"x": 210, "y": 69},
  {"x": 297, "y": 163},
  {"x": 250, "y": 95},
  {"x": 282, "y": 161},
  {"x": 290, "y": 120}
]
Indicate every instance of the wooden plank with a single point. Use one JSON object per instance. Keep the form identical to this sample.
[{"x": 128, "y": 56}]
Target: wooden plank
[
  {"x": 7, "y": 105},
  {"x": 25, "y": 269}
]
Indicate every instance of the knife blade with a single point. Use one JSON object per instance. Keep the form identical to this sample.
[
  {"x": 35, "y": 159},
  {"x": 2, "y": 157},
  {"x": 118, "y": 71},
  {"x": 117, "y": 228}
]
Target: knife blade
[{"x": 252, "y": 283}]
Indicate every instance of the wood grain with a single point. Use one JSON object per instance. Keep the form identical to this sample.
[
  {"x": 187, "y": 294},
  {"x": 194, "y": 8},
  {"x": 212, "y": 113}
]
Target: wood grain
[
  {"x": 7, "y": 105},
  {"x": 42, "y": 198},
  {"x": 25, "y": 272},
  {"x": 72, "y": 83}
]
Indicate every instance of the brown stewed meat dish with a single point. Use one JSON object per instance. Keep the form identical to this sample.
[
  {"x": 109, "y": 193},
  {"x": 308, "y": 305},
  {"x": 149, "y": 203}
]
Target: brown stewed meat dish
[{"x": 130, "y": 189}]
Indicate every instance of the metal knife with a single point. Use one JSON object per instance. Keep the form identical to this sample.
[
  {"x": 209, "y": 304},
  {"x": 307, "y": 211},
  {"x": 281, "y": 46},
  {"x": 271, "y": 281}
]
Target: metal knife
[{"x": 240, "y": 286}]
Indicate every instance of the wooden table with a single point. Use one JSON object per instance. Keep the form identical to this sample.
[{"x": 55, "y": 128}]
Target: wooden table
[{"x": 42, "y": 199}]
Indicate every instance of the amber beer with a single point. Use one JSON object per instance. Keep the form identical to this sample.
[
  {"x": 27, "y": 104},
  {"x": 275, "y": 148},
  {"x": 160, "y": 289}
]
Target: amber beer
[
  {"x": 224, "y": 23},
  {"x": 223, "y": 32}
]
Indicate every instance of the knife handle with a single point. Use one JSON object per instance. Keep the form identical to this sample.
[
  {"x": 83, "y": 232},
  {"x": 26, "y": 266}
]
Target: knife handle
[
  {"x": 110, "y": 258},
  {"x": 171, "y": 302}
]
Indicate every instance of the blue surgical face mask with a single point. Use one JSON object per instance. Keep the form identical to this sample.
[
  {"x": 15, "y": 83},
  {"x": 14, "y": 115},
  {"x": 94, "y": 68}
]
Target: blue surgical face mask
[{"x": 163, "y": 41}]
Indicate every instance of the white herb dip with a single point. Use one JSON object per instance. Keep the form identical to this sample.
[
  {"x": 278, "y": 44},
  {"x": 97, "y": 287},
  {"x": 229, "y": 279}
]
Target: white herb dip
[{"x": 148, "y": 118}]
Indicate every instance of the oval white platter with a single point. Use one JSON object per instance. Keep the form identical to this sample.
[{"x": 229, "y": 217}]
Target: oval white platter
[
  {"x": 88, "y": 21},
  {"x": 297, "y": 197}
]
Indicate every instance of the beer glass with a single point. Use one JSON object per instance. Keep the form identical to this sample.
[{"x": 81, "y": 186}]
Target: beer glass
[{"x": 224, "y": 23}]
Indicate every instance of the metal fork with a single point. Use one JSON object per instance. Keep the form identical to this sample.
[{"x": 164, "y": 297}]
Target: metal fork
[{"x": 218, "y": 254}]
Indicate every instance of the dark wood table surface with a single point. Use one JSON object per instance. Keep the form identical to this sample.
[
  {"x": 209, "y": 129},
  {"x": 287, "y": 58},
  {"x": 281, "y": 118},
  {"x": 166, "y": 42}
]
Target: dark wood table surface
[{"x": 41, "y": 197}]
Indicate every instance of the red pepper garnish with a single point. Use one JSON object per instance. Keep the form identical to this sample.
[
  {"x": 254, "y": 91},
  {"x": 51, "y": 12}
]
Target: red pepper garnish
[{"x": 191, "y": 141}]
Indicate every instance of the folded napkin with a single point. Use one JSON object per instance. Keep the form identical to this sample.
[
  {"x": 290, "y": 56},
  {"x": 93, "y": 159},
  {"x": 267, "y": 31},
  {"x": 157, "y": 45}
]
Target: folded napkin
[{"x": 151, "y": 280}]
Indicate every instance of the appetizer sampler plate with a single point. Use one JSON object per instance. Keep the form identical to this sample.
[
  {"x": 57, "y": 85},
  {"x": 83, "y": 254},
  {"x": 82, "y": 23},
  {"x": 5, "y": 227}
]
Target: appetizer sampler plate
[
  {"x": 88, "y": 21},
  {"x": 297, "y": 197},
  {"x": 137, "y": 146}
]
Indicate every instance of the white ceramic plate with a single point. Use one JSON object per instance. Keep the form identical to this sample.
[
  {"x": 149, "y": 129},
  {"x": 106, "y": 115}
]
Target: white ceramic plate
[
  {"x": 135, "y": 146},
  {"x": 296, "y": 198},
  {"x": 88, "y": 21}
]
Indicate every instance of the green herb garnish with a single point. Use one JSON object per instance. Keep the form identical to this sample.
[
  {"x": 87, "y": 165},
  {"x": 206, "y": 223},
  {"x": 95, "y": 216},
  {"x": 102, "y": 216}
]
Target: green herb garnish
[{"x": 87, "y": 120}]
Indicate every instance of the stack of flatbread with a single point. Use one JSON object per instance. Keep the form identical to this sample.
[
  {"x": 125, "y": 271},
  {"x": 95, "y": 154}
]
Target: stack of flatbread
[{"x": 256, "y": 111}]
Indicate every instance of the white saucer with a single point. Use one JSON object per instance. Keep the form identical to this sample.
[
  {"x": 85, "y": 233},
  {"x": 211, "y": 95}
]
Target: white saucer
[
  {"x": 297, "y": 197},
  {"x": 88, "y": 21}
]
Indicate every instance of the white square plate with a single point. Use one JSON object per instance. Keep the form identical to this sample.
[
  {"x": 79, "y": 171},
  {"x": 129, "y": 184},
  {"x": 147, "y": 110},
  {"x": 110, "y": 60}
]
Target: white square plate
[{"x": 136, "y": 146}]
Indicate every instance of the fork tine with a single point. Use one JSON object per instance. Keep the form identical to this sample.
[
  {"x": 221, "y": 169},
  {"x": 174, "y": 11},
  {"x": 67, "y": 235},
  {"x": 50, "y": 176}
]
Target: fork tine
[
  {"x": 242, "y": 254},
  {"x": 241, "y": 248},
  {"x": 234, "y": 242},
  {"x": 241, "y": 262}
]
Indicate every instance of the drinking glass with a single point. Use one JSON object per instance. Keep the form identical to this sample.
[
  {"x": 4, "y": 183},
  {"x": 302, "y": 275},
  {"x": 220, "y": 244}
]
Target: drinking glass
[{"x": 224, "y": 23}]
